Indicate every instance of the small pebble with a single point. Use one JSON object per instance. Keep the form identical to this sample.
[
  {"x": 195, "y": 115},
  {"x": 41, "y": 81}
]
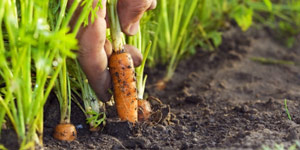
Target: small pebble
[
  {"x": 195, "y": 140},
  {"x": 160, "y": 128},
  {"x": 91, "y": 146},
  {"x": 211, "y": 120},
  {"x": 80, "y": 126},
  {"x": 245, "y": 109},
  {"x": 213, "y": 143}
]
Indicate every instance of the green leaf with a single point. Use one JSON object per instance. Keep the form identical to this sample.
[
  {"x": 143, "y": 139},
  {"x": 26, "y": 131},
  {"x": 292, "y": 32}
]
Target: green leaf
[
  {"x": 2, "y": 147},
  {"x": 293, "y": 147},
  {"x": 268, "y": 3},
  {"x": 216, "y": 38},
  {"x": 243, "y": 17},
  {"x": 96, "y": 118},
  {"x": 290, "y": 42}
]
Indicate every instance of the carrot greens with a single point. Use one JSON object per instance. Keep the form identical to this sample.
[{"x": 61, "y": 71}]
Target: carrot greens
[
  {"x": 140, "y": 41},
  {"x": 33, "y": 45},
  {"x": 173, "y": 35},
  {"x": 92, "y": 106}
]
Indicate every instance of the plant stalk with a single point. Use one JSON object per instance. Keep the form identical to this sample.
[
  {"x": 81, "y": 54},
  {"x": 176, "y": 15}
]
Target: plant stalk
[{"x": 115, "y": 29}]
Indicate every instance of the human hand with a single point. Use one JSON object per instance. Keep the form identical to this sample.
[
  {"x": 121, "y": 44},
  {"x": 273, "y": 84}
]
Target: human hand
[{"x": 95, "y": 49}]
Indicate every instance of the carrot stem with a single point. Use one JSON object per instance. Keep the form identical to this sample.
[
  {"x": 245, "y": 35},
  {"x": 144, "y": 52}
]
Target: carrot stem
[{"x": 115, "y": 29}]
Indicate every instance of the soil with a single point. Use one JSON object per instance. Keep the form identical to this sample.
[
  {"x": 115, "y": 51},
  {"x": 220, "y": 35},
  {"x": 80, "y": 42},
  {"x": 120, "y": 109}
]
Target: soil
[{"x": 218, "y": 100}]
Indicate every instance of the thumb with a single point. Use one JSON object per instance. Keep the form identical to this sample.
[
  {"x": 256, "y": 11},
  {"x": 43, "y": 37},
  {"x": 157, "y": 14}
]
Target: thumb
[{"x": 131, "y": 11}]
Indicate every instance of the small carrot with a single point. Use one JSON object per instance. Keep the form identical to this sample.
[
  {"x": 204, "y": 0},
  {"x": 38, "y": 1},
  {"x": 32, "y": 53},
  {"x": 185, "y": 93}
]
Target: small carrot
[
  {"x": 65, "y": 132},
  {"x": 144, "y": 110},
  {"x": 161, "y": 85},
  {"x": 122, "y": 70}
]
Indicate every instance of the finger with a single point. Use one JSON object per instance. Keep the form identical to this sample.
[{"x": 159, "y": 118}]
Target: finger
[
  {"x": 135, "y": 53},
  {"x": 108, "y": 48},
  {"x": 92, "y": 55},
  {"x": 130, "y": 12},
  {"x": 153, "y": 5}
]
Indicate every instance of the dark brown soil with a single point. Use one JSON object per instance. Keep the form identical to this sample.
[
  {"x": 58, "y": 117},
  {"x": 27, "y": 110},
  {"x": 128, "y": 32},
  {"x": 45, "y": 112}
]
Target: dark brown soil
[{"x": 222, "y": 100}]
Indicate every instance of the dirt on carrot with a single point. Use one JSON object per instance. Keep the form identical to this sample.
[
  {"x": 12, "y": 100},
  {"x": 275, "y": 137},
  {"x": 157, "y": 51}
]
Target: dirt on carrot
[{"x": 125, "y": 92}]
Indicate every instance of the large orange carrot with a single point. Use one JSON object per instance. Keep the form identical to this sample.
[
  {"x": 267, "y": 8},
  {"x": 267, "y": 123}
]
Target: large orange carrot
[
  {"x": 122, "y": 70},
  {"x": 125, "y": 94}
]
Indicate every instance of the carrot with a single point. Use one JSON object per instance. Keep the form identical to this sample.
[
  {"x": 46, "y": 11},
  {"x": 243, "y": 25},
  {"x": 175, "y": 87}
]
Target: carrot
[
  {"x": 144, "y": 110},
  {"x": 65, "y": 132},
  {"x": 121, "y": 70},
  {"x": 125, "y": 93},
  {"x": 161, "y": 85}
]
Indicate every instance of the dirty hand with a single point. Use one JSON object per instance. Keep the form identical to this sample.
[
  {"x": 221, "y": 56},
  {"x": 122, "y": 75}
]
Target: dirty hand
[{"x": 95, "y": 49}]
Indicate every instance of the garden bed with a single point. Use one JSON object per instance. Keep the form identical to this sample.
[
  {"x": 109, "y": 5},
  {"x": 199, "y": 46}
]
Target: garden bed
[{"x": 222, "y": 99}]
